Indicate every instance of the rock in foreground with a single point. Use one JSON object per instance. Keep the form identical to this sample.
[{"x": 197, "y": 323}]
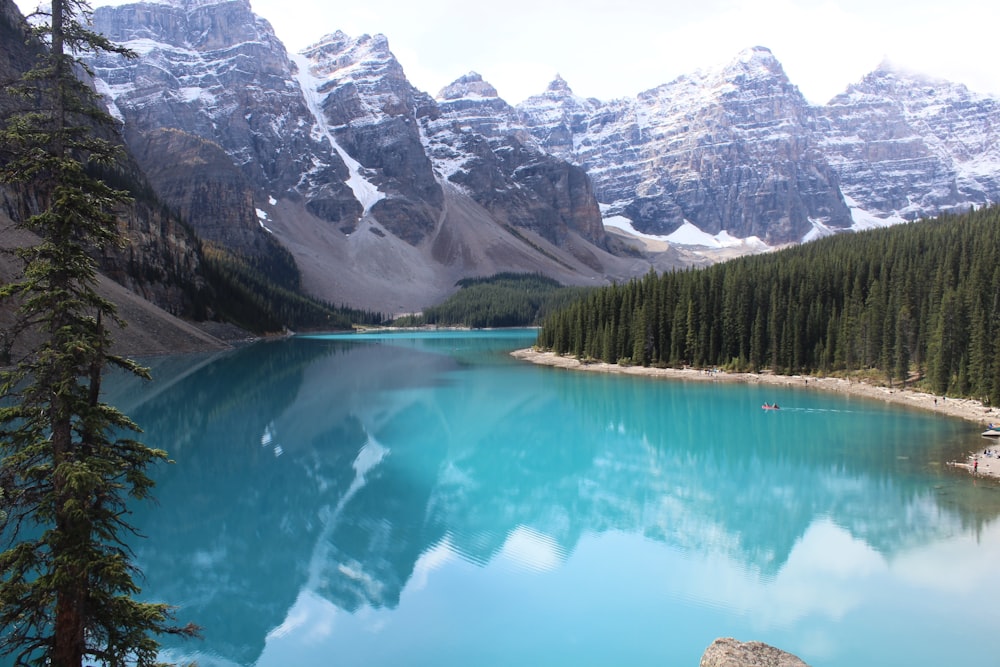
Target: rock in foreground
[{"x": 727, "y": 652}]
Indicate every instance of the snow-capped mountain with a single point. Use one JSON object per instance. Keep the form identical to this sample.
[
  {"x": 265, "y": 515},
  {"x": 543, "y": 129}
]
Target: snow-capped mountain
[
  {"x": 363, "y": 106},
  {"x": 737, "y": 150},
  {"x": 214, "y": 88},
  {"x": 729, "y": 150},
  {"x": 906, "y": 146},
  {"x": 385, "y": 195},
  {"x": 477, "y": 144}
]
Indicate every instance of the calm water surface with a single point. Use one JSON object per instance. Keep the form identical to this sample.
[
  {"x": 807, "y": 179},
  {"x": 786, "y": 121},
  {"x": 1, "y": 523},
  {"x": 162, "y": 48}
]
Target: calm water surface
[{"x": 427, "y": 500}]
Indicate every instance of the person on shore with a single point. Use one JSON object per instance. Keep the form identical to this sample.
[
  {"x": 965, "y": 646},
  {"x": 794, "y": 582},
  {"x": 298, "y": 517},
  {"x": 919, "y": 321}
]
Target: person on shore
[{"x": 975, "y": 466}]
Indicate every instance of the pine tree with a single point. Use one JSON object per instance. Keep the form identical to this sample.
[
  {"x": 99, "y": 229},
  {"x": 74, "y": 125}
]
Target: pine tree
[{"x": 67, "y": 583}]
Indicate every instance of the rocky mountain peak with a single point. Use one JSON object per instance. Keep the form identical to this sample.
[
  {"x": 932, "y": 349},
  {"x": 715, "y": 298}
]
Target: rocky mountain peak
[
  {"x": 559, "y": 87},
  {"x": 352, "y": 68},
  {"x": 366, "y": 107},
  {"x": 754, "y": 77},
  {"x": 555, "y": 116},
  {"x": 201, "y": 25},
  {"x": 910, "y": 146},
  {"x": 755, "y": 63},
  {"x": 215, "y": 72},
  {"x": 898, "y": 83},
  {"x": 469, "y": 85},
  {"x": 479, "y": 144},
  {"x": 339, "y": 47}
]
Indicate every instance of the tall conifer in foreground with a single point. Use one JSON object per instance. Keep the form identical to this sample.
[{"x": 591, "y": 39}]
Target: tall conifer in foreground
[{"x": 66, "y": 577}]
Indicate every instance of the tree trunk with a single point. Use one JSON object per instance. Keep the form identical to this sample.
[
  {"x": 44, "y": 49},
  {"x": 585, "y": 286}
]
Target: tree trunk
[{"x": 73, "y": 533}]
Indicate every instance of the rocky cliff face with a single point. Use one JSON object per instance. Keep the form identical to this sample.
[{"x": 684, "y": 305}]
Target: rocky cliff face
[
  {"x": 908, "y": 147},
  {"x": 206, "y": 188},
  {"x": 477, "y": 143},
  {"x": 162, "y": 260},
  {"x": 368, "y": 110},
  {"x": 729, "y": 150},
  {"x": 216, "y": 73},
  {"x": 738, "y": 149}
]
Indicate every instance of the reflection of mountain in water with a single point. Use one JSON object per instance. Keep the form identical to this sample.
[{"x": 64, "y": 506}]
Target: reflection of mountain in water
[
  {"x": 332, "y": 466},
  {"x": 648, "y": 458},
  {"x": 266, "y": 439}
]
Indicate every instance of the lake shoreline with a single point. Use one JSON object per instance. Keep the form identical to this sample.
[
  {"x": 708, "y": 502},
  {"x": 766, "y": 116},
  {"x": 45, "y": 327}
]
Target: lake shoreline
[{"x": 962, "y": 408}]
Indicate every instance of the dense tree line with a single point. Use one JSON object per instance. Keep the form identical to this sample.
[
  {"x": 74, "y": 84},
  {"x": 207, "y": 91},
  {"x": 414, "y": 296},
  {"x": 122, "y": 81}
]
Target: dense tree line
[
  {"x": 501, "y": 300},
  {"x": 245, "y": 293},
  {"x": 914, "y": 302}
]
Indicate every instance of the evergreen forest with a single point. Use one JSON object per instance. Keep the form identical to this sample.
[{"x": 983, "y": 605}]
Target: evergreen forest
[
  {"x": 917, "y": 303},
  {"x": 263, "y": 294},
  {"x": 501, "y": 300}
]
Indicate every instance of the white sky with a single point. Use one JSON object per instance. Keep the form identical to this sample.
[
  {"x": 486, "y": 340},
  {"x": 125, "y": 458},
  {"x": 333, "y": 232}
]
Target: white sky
[{"x": 608, "y": 49}]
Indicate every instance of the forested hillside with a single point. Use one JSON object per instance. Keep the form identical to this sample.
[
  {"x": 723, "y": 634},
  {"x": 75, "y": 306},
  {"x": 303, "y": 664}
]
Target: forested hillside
[
  {"x": 263, "y": 294},
  {"x": 502, "y": 300},
  {"x": 917, "y": 302}
]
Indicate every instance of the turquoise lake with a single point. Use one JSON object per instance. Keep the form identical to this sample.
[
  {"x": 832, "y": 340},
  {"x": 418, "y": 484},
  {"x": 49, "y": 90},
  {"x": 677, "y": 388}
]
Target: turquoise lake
[{"x": 425, "y": 499}]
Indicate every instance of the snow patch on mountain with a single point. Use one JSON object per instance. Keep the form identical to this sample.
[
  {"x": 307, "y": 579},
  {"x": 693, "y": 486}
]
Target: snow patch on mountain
[
  {"x": 262, "y": 219},
  {"x": 864, "y": 220},
  {"x": 105, "y": 91},
  {"x": 190, "y": 94},
  {"x": 366, "y": 192},
  {"x": 819, "y": 230},
  {"x": 689, "y": 235},
  {"x": 442, "y": 146}
]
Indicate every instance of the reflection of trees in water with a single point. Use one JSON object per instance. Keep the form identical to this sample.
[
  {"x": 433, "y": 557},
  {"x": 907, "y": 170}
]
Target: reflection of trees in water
[
  {"x": 240, "y": 531},
  {"x": 762, "y": 478}
]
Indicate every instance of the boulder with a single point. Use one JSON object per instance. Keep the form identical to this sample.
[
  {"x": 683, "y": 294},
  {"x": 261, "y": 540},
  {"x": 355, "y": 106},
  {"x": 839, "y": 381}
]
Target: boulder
[{"x": 728, "y": 652}]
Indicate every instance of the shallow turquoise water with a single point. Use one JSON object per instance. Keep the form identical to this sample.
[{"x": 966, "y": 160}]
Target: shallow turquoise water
[{"x": 427, "y": 500}]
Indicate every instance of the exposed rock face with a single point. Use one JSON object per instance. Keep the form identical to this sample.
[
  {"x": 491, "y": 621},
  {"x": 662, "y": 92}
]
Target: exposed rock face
[
  {"x": 727, "y": 150},
  {"x": 339, "y": 131},
  {"x": 372, "y": 113},
  {"x": 907, "y": 146},
  {"x": 206, "y": 187},
  {"x": 16, "y": 55},
  {"x": 339, "y": 126},
  {"x": 739, "y": 149},
  {"x": 727, "y": 652},
  {"x": 161, "y": 260},
  {"x": 476, "y": 142},
  {"x": 216, "y": 71}
]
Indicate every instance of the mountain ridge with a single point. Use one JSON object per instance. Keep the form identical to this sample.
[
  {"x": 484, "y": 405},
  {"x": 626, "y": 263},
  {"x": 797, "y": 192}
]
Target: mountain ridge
[
  {"x": 974, "y": 116},
  {"x": 386, "y": 195},
  {"x": 375, "y": 159},
  {"x": 723, "y": 156}
]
